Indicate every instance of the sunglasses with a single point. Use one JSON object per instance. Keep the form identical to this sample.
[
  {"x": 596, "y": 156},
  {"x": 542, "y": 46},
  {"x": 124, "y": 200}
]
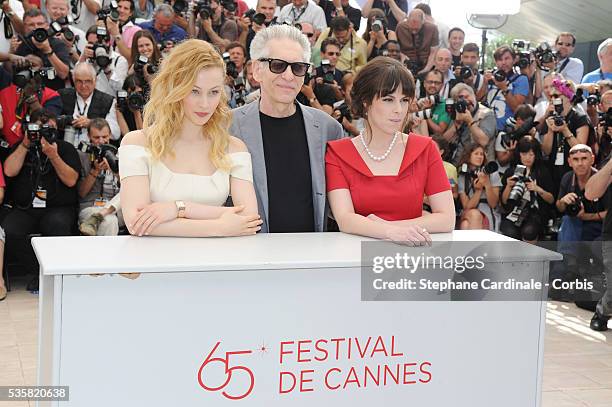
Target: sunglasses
[
  {"x": 279, "y": 66},
  {"x": 333, "y": 53},
  {"x": 309, "y": 35},
  {"x": 581, "y": 150}
]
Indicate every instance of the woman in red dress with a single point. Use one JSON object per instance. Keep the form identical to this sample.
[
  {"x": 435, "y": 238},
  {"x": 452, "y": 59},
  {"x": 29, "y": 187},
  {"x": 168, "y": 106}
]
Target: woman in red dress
[{"x": 377, "y": 180}]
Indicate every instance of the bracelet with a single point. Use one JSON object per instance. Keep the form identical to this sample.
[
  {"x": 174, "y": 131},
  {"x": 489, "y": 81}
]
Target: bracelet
[
  {"x": 48, "y": 54},
  {"x": 22, "y": 145},
  {"x": 599, "y": 215}
]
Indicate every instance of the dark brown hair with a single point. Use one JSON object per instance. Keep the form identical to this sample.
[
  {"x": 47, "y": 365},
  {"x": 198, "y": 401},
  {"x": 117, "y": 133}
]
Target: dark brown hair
[
  {"x": 467, "y": 154},
  {"x": 499, "y": 52},
  {"x": 147, "y": 34},
  {"x": 471, "y": 47},
  {"x": 378, "y": 78}
]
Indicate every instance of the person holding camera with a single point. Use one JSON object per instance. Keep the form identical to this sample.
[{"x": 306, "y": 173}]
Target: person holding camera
[
  {"x": 432, "y": 106},
  {"x": 84, "y": 103},
  {"x": 122, "y": 31},
  {"x": 99, "y": 182},
  {"x": 570, "y": 68},
  {"x": 143, "y": 9},
  {"x": 327, "y": 73},
  {"x": 23, "y": 97},
  {"x": 253, "y": 21},
  {"x": 353, "y": 49},
  {"x": 506, "y": 89},
  {"x": 111, "y": 66},
  {"x": 218, "y": 24},
  {"x": 338, "y": 8},
  {"x": 299, "y": 11},
  {"x": 472, "y": 122},
  {"x": 526, "y": 193},
  {"x": 377, "y": 34},
  {"x": 72, "y": 36},
  {"x": 521, "y": 125},
  {"x": 419, "y": 41},
  {"x": 163, "y": 26},
  {"x": 478, "y": 187},
  {"x": 130, "y": 103},
  {"x": 11, "y": 15},
  {"x": 394, "y": 10},
  {"x": 43, "y": 172},
  {"x": 145, "y": 59},
  {"x": 85, "y": 12},
  {"x": 563, "y": 128},
  {"x": 41, "y": 49},
  {"x": 467, "y": 69},
  {"x": 603, "y": 144}
]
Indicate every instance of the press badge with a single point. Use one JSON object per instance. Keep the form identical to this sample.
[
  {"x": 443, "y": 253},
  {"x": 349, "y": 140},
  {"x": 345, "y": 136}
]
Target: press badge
[
  {"x": 40, "y": 199},
  {"x": 560, "y": 159},
  {"x": 100, "y": 203},
  {"x": 16, "y": 127}
]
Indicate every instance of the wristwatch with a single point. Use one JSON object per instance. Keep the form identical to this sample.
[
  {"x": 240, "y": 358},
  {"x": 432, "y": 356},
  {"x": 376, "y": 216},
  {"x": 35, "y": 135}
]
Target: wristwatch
[
  {"x": 180, "y": 206},
  {"x": 312, "y": 100}
]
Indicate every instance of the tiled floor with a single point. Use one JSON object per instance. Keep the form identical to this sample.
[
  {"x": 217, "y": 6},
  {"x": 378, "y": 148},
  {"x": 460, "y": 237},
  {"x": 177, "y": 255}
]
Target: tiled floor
[{"x": 577, "y": 361}]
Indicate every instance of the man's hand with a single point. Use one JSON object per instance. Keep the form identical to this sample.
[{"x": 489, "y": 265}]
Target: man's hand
[
  {"x": 101, "y": 165},
  {"x": 256, "y": 27},
  {"x": 465, "y": 117},
  {"x": 44, "y": 46},
  {"x": 50, "y": 150},
  {"x": 308, "y": 91},
  {"x": 87, "y": 52},
  {"x": 80, "y": 122},
  {"x": 15, "y": 43},
  {"x": 569, "y": 198},
  {"x": 112, "y": 26},
  {"x": 550, "y": 121},
  {"x": 207, "y": 25},
  {"x": 503, "y": 85},
  {"x": 18, "y": 62},
  {"x": 243, "y": 23},
  {"x": 35, "y": 62}
]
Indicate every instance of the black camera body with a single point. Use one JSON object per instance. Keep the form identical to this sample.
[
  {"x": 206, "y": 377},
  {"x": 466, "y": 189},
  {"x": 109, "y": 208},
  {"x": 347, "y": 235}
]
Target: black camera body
[
  {"x": 558, "y": 113},
  {"x": 229, "y": 5},
  {"x": 465, "y": 72},
  {"x": 255, "y": 17},
  {"x": 454, "y": 107},
  {"x": 521, "y": 48},
  {"x": 230, "y": 67},
  {"x": 518, "y": 190},
  {"x": 22, "y": 78},
  {"x": 131, "y": 101},
  {"x": 574, "y": 208},
  {"x": 489, "y": 168},
  {"x": 512, "y": 133},
  {"x": 378, "y": 25},
  {"x": 605, "y": 119},
  {"x": 179, "y": 6},
  {"x": 98, "y": 153},
  {"x": 202, "y": 8},
  {"x": 593, "y": 99},
  {"x": 64, "y": 121},
  {"x": 499, "y": 75},
  {"x": 141, "y": 62},
  {"x": 41, "y": 34},
  {"x": 326, "y": 72},
  {"x": 37, "y": 132},
  {"x": 344, "y": 109},
  {"x": 544, "y": 54},
  {"x": 111, "y": 11}
]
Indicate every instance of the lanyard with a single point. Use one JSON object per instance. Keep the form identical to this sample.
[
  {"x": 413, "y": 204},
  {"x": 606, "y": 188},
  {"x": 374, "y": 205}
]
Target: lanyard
[
  {"x": 299, "y": 15},
  {"x": 81, "y": 113}
]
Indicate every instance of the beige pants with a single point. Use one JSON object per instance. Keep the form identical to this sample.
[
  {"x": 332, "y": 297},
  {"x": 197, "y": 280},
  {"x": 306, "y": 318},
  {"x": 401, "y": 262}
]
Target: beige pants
[{"x": 109, "y": 226}]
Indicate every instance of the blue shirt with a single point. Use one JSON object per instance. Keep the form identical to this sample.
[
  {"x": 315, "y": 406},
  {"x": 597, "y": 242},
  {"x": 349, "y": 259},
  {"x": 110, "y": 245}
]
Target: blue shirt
[
  {"x": 497, "y": 102},
  {"x": 596, "y": 76},
  {"x": 176, "y": 33}
]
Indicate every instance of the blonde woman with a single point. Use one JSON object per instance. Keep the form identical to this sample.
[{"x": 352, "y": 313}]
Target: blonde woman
[{"x": 178, "y": 171}]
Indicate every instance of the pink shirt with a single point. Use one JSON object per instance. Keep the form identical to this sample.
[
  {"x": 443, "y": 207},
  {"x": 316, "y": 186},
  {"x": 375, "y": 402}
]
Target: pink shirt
[{"x": 128, "y": 34}]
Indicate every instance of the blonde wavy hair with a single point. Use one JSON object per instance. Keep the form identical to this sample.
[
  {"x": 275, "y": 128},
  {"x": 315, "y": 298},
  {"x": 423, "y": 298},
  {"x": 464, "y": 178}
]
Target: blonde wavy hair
[{"x": 164, "y": 113}]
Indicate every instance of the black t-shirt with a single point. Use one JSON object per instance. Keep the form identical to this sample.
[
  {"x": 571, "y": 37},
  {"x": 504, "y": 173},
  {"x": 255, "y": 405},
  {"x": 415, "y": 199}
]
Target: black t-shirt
[
  {"x": 456, "y": 60},
  {"x": 570, "y": 184},
  {"x": 59, "y": 48},
  {"x": 22, "y": 187},
  {"x": 574, "y": 121},
  {"x": 543, "y": 178},
  {"x": 338, "y": 74},
  {"x": 128, "y": 115},
  {"x": 290, "y": 205},
  {"x": 329, "y": 8}
]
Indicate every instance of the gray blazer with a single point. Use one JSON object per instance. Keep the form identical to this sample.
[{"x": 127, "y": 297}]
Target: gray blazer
[{"x": 320, "y": 128}]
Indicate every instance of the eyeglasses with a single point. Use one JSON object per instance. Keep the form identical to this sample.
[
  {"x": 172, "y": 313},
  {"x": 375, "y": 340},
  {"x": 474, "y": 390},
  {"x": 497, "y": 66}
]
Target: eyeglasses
[
  {"x": 279, "y": 66},
  {"x": 581, "y": 150},
  {"x": 567, "y": 44},
  {"x": 309, "y": 35},
  {"x": 333, "y": 53}
]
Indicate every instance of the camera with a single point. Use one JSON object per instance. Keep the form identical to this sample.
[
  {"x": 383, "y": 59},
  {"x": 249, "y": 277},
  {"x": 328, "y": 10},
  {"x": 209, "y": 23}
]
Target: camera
[
  {"x": 41, "y": 34},
  {"x": 377, "y": 25},
  {"x": 544, "y": 54},
  {"x": 22, "y": 78},
  {"x": 413, "y": 66},
  {"x": 423, "y": 114},
  {"x": 558, "y": 113},
  {"x": 101, "y": 152},
  {"x": 63, "y": 121},
  {"x": 202, "y": 7},
  {"x": 593, "y": 99},
  {"x": 465, "y": 72},
  {"x": 344, "y": 109},
  {"x": 605, "y": 119},
  {"x": 111, "y": 11},
  {"x": 131, "y": 101},
  {"x": 141, "y": 62},
  {"x": 327, "y": 72},
  {"x": 454, "y": 107},
  {"x": 489, "y": 168},
  {"x": 574, "y": 208},
  {"x": 230, "y": 67},
  {"x": 255, "y": 17},
  {"x": 35, "y": 132},
  {"x": 521, "y": 48},
  {"x": 229, "y": 5},
  {"x": 518, "y": 190},
  {"x": 239, "y": 93},
  {"x": 499, "y": 75},
  {"x": 511, "y": 133},
  {"x": 179, "y": 6},
  {"x": 100, "y": 50},
  {"x": 65, "y": 22}
]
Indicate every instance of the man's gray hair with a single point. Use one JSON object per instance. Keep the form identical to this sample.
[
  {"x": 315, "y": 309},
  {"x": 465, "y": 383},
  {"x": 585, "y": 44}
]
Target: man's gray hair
[
  {"x": 259, "y": 45},
  {"x": 603, "y": 47},
  {"x": 165, "y": 9},
  {"x": 84, "y": 67},
  {"x": 460, "y": 87}
]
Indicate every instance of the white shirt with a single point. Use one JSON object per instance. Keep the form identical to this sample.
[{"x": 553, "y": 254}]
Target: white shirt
[
  {"x": 82, "y": 42},
  {"x": 312, "y": 14},
  {"x": 81, "y": 107},
  {"x": 573, "y": 70},
  {"x": 17, "y": 7},
  {"x": 445, "y": 91},
  {"x": 85, "y": 17}
]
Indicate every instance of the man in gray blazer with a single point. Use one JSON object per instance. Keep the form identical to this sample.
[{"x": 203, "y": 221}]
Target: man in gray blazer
[{"x": 286, "y": 140}]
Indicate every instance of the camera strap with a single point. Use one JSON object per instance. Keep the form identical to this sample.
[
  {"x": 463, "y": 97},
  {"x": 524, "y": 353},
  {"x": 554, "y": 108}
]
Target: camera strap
[
  {"x": 563, "y": 65},
  {"x": 8, "y": 28},
  {"x": 297, "y": 18}
]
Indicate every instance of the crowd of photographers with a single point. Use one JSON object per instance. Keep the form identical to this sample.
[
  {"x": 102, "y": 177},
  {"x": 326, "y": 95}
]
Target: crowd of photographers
[{"x": 519, "y": 142}]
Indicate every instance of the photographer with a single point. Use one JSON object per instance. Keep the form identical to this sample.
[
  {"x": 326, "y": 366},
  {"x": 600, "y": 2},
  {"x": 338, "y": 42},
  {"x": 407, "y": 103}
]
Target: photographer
[
  {"x": 12, "y": 23},
  {"x": 418, "y": 39},
  {"x": 84, "y": 103},
  {"x": 251, "y": 23},
  {"x": 42, "y": 173},
  {"x": 144, "y": 45},
  {"x": 604, "y": 54},
  {"x": 342, "y": 111},
  {"x": 143, "y": 9},
  {"x": 129, "y": 111},
  {"x": 85, "y": 12},
  {"x": 395, "y": 11},
  {"x": 467, "y": 70},
  {"x": 299, "y": 11},
  {"x": 122, "y": 31},
  {"x": 582, "y": 218},
  {"x": 377, "y": 34},
  {"x": 163, "y": 26},
  {"x": 472, "y": 121},
  {"x": 478, "y": 190},
  {"x": 563, "y": 128},
  {"x": 237, "y": 55},
  {"x": 603, "y": 144},
  {"x": 506, "y": 89},
  {"x": 50, "y": 52},
  {"x": 456, "y": 36},
  {"x": 72, "y": 36},
  {"x": 99, "y": 181},
  {"x": 505, "y": 142},
  {"x": 20, "y": 101},
  {"x": 338, "y": 8},
  {"x": 327, "y": 73},
  {"x": 443, "y": 60},
  {"x": 526, "y": 193},
  {"x": 570, "y": 68},
  {"x": 218, "y": 24},
  {"x": 353, "y": 49},
  {"x": 434, "y": 113},
  {"x": 112, "y": 67}
]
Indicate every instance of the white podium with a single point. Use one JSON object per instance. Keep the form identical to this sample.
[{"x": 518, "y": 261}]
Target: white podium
[{"x": 270, "y": 320}]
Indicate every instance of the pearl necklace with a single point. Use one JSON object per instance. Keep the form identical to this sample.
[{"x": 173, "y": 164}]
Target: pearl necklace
[{"x": 386, "y": 154}]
